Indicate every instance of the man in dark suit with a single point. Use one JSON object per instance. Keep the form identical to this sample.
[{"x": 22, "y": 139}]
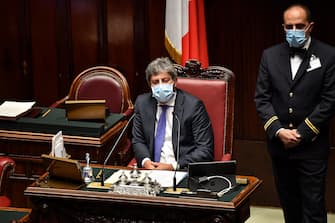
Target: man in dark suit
[
  {"x": 182, "y": 110},
  {"x": 295, "y": 99}
]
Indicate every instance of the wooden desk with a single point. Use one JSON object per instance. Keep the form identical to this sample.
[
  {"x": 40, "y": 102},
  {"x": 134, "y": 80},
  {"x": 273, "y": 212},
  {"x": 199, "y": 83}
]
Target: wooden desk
[
  {"x": 15, "y": 215},
  {"x": 25, "y": 148},
  {"x": 62, "y": 205}
]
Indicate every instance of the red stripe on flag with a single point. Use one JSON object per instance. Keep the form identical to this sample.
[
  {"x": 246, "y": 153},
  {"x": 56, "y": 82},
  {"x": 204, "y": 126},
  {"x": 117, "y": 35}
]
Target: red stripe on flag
[
  {"x": 194, "y": 43},
  {"x": 185, "y": 41}
]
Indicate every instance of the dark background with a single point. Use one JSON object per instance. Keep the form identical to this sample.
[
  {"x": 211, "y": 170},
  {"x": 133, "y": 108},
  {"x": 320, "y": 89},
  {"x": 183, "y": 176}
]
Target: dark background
[{"x": 44, "y": 44}]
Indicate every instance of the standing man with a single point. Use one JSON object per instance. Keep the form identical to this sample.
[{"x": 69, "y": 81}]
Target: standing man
[
  {"x": 156, "y": 146},
  {"x": 295, "y": 100}
]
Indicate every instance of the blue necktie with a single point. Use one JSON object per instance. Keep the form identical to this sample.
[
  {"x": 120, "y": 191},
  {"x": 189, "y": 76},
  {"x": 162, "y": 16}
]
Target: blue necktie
[{"x": 160, "y": 133}]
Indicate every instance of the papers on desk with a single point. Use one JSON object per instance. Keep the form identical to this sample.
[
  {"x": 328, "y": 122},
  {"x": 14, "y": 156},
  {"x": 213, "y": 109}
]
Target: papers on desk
[
  {"x": 57, "y": 146},
  {"x": 163, "y": 177},
  {"x": 14, "y": 109}
]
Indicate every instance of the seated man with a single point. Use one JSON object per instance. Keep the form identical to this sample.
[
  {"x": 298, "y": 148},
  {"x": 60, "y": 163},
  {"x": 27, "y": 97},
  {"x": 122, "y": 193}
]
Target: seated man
[{"x": 156, "y": 147}]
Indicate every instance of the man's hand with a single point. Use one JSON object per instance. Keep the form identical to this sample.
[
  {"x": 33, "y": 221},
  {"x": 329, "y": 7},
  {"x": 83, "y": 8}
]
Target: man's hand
[
  {"x": 163, "y": 166},
  {"x": 155, "y": 165},
  {"x": 149, "y": 165},
  {"x": 289, "y": 137}
]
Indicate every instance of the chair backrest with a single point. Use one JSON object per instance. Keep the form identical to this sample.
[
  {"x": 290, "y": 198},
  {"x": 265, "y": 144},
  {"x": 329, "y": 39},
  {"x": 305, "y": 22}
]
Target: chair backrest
[
  {"x": 102, "y": 82},
  {"x": 7, "y": 166},
  {"x": 214, "y": 85}
]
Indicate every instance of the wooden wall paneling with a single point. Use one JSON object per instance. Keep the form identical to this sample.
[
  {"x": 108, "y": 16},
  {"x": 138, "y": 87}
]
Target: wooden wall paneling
[
  {"x": 323, "y": 18},
  {"x": 236, "y": 39},
  {"x": 249, "y": 156},
  {"x": 15, "y": 70},
  {"x": 152, "y": 42},
  {"x": 44, "y": 50},
  {"x": 64, "y": 47},
  {"x": 102, "y": 32},
  {"x": 84, "y": 24},
  {"x": 156, "y": 29},
  {"x": 250, "y": 30},
  {"x": 141, "y": 45},
  {"x": 120, "y": 33},
  {"x": 120, "y": 22}
]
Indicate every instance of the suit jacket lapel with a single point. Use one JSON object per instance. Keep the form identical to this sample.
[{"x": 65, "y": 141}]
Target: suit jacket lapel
[
  {"x": 179, "y": 112},
  {"x": 151, "y": 114},
  {"x": 304, "y": 65},
  {"x": 285, "y": 65}
]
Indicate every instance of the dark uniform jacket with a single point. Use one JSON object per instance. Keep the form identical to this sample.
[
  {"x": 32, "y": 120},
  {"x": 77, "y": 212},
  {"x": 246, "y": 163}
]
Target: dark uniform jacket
[
  {"x": 196, "y": 135},
  {"x": 305, "y": 103}
]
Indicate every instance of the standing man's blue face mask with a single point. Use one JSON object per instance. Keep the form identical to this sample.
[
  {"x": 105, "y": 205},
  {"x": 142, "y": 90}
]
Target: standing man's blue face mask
[{"x": 296, "y": 38}]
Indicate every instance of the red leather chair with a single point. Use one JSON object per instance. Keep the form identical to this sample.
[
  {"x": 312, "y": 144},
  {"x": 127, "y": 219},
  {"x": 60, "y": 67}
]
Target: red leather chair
[
  {"x": 102, "y": 82},
  {"x": 7, "y": 166},
  {"x": 214, "y": 85}
]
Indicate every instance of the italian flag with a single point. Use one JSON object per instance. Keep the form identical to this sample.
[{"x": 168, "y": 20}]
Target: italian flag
[{"x": 185, "y": 31}]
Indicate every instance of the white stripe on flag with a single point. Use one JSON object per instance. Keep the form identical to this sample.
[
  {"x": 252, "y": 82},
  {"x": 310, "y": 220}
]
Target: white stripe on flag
[{"x": 176, "y": 26}]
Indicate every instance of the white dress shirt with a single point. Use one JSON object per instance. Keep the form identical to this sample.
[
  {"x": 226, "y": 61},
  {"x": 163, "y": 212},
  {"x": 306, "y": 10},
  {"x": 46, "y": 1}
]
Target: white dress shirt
[
  {"x": 296, "y": 60},
  {"x": 167, "y": 154}
]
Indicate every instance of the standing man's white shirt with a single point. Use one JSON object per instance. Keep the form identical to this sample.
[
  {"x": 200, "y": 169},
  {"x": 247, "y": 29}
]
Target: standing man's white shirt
[{"x": 297, "y": 60}]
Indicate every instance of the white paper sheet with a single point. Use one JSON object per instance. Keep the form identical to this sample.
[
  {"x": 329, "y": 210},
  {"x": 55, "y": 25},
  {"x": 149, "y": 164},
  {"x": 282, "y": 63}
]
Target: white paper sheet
[
  {"x": 57, "y": 146},
  {"x": 12, "y": 109}
]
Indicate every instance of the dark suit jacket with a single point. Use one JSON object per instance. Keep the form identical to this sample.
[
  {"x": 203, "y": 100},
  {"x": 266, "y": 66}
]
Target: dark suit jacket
[
  {"x": 306, "y": 103},
  {"x": 196, "y": 136}
]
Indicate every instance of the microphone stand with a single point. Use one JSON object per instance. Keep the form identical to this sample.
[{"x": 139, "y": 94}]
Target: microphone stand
[
  {"x": 113, "y": 148},
  {"x": 178, "y": 152}
]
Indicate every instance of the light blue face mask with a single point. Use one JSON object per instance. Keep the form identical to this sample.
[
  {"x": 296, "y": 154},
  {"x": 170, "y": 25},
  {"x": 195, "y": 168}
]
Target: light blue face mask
[
  {"x": 162, "y": 92},
  {"x": 296, "y": 38}
]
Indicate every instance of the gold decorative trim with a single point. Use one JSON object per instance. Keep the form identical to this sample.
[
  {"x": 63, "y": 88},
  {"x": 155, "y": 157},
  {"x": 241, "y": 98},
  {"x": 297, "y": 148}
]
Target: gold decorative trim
[
  {"x": 311, "y": 126},
  {"x": 270, "y": 121},
  {"x": 173, "y": 52}
]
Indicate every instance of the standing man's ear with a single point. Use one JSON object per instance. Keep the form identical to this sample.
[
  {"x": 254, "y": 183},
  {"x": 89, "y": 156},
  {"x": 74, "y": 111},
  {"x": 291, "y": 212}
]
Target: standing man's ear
[{"x": 311, "y": 26}]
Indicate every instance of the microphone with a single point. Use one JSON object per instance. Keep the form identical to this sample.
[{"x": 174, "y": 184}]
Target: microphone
[
  {"x": 178, "y": 152},
  {"x": 113, "y": 148}
]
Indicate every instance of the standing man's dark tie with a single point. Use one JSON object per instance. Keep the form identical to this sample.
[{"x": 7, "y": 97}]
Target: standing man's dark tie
[{"x": 301, "y": 52}]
